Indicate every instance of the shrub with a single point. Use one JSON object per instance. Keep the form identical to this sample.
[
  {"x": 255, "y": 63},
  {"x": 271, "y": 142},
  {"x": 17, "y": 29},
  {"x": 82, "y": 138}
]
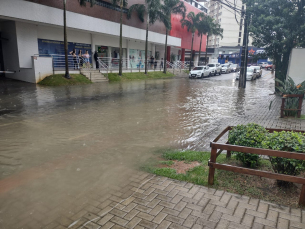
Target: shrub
[
  {"x": 286, "y": 141},
  {"x": 250, "y": 135}
]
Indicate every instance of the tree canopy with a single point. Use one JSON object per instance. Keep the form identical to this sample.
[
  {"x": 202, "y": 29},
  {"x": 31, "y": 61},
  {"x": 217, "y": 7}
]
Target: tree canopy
[{"x": 278, "y": 26}]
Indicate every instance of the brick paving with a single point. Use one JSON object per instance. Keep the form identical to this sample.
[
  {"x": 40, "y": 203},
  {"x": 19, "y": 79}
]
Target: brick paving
[{"x": 160, "y": 202}]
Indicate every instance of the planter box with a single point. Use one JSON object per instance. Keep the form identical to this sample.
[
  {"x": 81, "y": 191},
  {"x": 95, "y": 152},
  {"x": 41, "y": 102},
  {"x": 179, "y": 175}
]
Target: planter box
[
  {"x": 275, "y": 153},
  {"x": 301, "y": 97}
]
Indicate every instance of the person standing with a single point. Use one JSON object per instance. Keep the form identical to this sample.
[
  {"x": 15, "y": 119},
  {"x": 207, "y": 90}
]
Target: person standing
[
  {"x": 80, "y": 58},
  {"x": 161, "y": 65},
  {"x": 96, "y": 60},
  {"x": 73, "y": 53},
  {"x": 87, "y": 61}
]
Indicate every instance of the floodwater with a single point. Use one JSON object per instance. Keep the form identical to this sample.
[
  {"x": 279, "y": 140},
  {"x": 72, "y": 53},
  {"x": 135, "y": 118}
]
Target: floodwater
[{"x": 61, "y": 145}]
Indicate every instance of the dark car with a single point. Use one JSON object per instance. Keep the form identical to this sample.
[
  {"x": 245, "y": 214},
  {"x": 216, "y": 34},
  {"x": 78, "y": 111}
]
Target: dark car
[{"x": 235, "y": 67}]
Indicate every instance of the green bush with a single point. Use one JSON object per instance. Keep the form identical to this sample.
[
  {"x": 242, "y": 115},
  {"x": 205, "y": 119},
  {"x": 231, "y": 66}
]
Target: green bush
[
  {"x": 250, "y": 135},
  {"x": 286, "y": 141}
]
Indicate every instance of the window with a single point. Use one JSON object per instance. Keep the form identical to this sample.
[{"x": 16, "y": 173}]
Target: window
[
  {"x": 239, "y": 34},
  {"x": 239, "y": 39}
]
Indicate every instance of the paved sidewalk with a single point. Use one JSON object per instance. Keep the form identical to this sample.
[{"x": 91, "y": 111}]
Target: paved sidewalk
[{"x": 158, "y": 202}]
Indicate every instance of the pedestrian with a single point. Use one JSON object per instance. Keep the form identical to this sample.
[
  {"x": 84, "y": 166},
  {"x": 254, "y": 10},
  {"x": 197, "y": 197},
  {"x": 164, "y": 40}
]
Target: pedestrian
[
  {"x": 96, "y": 60},
  {"x": 80, "y": 58},
  {"x": 115, "y": 54},
  {"x": 86, "y": 57},
  {"x": 161, "y": 65},
  {"x": 155, "y": 64},
  {"x": 73, "y": 53},
  {"x": 152, "y": 61}
]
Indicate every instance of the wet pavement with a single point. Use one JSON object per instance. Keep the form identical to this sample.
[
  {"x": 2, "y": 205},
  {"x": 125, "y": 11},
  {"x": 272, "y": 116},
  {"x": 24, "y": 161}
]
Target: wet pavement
[{"x": 65, "y": 150}]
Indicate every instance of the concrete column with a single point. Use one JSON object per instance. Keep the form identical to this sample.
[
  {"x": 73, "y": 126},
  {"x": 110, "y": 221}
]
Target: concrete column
[
  {"x": 182, "y": 54},
  {"x": 127, "y": 48},
  {"x": 168, "y": 58},
  {"x": 92, "y": 50},
  {"x": 153, "y": 50}
]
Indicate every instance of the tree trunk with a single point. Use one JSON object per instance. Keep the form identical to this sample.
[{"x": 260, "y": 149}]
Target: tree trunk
[
  {"x": 165, "y": 53},
  {"x": 206, "y": 50},
  {"x": 199, "y": 49},
  {"x": 146, "y": 42},
  {"x": 67, "y": 75},
  {"x": 244, "y": 56},
  {"x": 121, "y": 25},
  {"x": 190, "y": 68}
]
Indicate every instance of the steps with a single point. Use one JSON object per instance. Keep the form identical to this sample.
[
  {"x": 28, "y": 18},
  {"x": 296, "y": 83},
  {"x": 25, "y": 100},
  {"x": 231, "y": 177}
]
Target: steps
[{"x": 94, "y": 75}]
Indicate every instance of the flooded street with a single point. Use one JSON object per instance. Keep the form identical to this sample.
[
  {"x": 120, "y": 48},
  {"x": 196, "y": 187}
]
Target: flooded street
[{"x": 61, "y": 146}]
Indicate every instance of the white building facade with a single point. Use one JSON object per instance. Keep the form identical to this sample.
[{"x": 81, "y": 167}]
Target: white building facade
[{"x": 25, "y": 25}]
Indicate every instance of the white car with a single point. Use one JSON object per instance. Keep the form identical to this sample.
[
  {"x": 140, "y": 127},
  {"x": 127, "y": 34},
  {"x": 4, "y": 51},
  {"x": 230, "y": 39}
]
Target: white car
[
  {"x": 258, "y": 71},
  {"x": 251, "y": 74},
  {"x": 226, "y": 68},
  {"x": 263, "y": 64},
  {"x": 215, "y": 69},
  {"x": 200, "y": 72}
]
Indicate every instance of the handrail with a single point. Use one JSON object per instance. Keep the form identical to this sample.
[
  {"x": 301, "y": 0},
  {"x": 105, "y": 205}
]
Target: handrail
[{"x": 275, "y": 153}]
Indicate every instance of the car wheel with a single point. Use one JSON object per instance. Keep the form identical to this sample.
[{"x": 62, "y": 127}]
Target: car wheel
[
  {"x": 202, "y": 75},
  {"x": 215, "y": 73},
  {"x": 220, "y": 73}
]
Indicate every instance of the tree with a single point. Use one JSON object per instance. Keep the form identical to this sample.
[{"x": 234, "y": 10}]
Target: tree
[
  {"x": 67, "y": 75},
  {"x": 168, "y": 8},
  {"x": 122, "y": 3},
  {"x": 278, "y": 26},
  {"x": 152, "y": 10},
  {"x": 213, "y": 29},
  {"x": 191, "y": 24}
]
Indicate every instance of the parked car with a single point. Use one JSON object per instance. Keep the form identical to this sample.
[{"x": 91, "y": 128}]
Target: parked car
[
  {"x": 258, "y": 71},
  {"x": 263, "y": 64},
  {"x": 200, "y": 72},
  {"x": 226, "y": 68},
  {"x": 251, "y": 74},
  {"x": 215, "y": 69},
  {"x": 235, "y": 67},
  {"x": 269, "y": 67}
]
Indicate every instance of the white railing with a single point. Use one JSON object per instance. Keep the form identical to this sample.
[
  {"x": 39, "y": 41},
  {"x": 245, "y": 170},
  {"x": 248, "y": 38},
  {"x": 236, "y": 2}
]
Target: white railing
[{"x": 59, "y": 62}]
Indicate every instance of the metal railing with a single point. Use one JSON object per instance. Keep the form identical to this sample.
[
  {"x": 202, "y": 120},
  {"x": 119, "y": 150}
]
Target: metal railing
[{"x": 59, "y": 62}]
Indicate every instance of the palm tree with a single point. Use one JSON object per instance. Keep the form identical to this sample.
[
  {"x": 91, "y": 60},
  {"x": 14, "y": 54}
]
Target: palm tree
[
  {"x": 213, "y": 29},
  {"x": 152, "y": 10},
  {"x": 191, "y": 24},
  {"x": 67, "y": 75},
  {"x": 123, "y": 3},
  {"x": 168, "y": 8},
  {"x": 202, "y": 29}
]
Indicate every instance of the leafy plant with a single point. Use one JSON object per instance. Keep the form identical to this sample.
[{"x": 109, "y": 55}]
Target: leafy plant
[
  {"x": 250, "y": 135},
  {"x": 288, "y": 87},
  {"x": 286, "y": 141}
]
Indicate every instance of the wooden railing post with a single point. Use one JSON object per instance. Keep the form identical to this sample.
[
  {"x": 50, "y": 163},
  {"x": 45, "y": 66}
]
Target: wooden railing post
[
  {"x": 302, "y": 196},
  {"x": 228, "y": 154},
  {"x": 282, "y": 107},
  {"x": 211, "y": 169},
  {"x": 300, "y": 105}
]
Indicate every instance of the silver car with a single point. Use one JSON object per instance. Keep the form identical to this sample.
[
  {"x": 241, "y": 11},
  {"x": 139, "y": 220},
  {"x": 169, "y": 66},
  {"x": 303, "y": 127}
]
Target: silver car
[
  {"x": 258, "y": 71},
  {"x": 199, "y": 72},
  {"x": 226, "y": 68},
  {"x": 251, "y": 74}
]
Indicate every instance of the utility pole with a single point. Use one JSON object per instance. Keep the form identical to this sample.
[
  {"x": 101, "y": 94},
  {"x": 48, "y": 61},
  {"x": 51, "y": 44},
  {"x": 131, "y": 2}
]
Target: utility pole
[{"x": 244, "y": 53}]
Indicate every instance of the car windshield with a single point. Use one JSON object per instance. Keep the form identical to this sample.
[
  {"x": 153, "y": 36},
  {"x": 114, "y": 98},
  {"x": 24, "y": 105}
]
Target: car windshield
[
  {"x": 198, "y": 68},
  {"x": 250, "y": 69},
  {"x": 234, "y": 65},
  {"x": 225, "y": 65},
  {"x": 211, "y": 65}
]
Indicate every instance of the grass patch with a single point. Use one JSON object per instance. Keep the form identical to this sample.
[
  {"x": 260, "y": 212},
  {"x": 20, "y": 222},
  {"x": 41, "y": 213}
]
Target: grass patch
[
  {"x": 114, "y": 77},
  {"x": 60, "y": 80},
  {"x": 252, "y": 186},
  {"x": 302, "y": 117},
  {"x": 186, "y": 71}
]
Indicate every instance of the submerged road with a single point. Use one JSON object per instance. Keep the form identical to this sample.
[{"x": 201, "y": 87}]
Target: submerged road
[{"x": 60, "y": 146}]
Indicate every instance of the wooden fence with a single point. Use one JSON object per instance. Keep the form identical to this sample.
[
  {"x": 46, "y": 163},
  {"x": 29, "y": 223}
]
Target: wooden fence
[{"x": 275, "y": 153}]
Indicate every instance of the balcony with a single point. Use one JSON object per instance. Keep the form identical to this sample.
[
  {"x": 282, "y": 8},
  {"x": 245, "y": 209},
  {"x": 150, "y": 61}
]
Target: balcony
[{"x": 198, "y": 5}]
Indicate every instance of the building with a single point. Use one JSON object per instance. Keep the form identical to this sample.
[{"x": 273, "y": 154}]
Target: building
[
  {"x": 229, "y": 20},
  {"x": 31, "y": 29}
]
